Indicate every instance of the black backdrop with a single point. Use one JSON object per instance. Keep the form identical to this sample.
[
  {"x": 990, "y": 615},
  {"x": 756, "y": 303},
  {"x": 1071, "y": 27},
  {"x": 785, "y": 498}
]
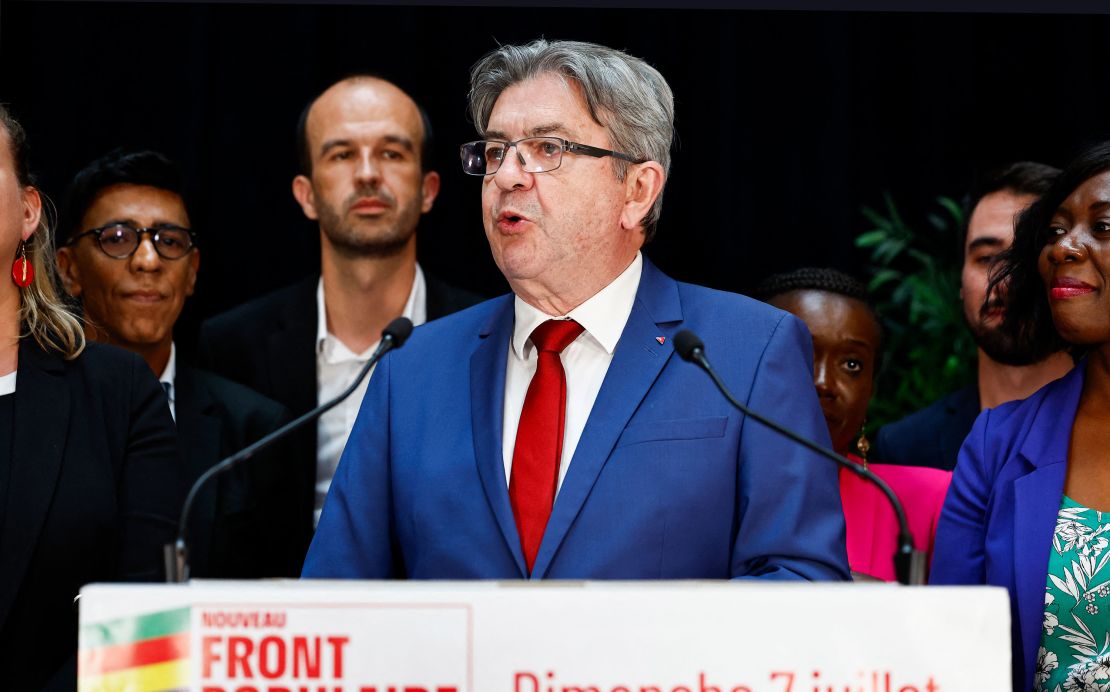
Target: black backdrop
[{"x": 788, "y": 122}]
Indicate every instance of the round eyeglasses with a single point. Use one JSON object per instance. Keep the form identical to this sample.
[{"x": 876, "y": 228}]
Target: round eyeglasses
[
  {"x": 121, "y": 240},
  {"x": 534, "y": 154}
]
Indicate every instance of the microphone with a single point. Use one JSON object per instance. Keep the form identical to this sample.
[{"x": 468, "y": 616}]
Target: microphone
[
  {"x": 176, "y": 555},
  {"x": 909, "y": 563}
]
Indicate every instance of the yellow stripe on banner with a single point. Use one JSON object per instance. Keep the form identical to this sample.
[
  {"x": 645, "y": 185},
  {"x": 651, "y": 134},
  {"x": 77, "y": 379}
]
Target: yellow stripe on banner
[{"x": 171, "y": 675}]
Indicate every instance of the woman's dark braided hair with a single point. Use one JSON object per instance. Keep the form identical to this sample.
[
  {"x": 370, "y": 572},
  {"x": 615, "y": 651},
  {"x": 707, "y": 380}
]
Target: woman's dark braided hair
[
  {"x": 817, "y": 279},
  {"x": 813, "y": 279}
]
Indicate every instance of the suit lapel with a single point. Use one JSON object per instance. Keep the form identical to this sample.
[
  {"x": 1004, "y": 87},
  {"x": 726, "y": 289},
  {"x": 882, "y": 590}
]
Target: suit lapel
[
  {"x": 435, "y": 298},
  {"x": 199, "y": 432},
  {"x": 1036, "y": 505},
  {"x": 961, "y": 410},
  {"x": 487, "y": 404},
  {"x": 291, "y": 367},
  {"x": 291, "y": 351},
  {"x": 1037, "y": 498},
  {"x": 293, "y": 383},
  {"x": 637, "y": 362},
  {"x": 441, "y": 300},
  {"x": 42, "y": 408}
]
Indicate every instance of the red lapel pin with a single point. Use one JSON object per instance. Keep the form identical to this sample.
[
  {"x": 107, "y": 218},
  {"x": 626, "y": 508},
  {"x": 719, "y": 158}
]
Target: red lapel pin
[{"x": 660, "y": 339}]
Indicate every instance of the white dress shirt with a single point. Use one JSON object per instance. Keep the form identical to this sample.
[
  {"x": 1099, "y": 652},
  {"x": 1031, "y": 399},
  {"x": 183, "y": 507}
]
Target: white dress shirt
[
  {"x": 585, "y": 360},
  {"x": 7, "y": 383},
  {"x": 169, "y": 374},
  {"x": 336, "y": 367}
]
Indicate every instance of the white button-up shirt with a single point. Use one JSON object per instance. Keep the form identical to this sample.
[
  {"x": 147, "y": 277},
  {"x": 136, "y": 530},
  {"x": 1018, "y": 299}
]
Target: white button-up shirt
[
  {"x": 585, "y": 360},
  {"x": 169, "y": 374},
  {"x": 336, "y": 367}
]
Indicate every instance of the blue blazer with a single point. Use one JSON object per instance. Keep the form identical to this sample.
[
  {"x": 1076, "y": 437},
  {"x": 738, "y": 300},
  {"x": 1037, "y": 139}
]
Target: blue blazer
[
  {"x": 1000, "y": 513},
  {"x": 667, "y": 480}
]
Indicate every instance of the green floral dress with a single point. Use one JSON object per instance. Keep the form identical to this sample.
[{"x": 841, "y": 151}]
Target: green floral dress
[{"x": 1075, "y": 640}]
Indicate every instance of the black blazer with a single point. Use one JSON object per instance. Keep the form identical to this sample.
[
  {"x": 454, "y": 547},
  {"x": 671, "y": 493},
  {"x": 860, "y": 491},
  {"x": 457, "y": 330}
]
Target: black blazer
[
  {"x": 269, "y": 345},
  {"x": 241, "y": 520},
  {"x": 932, "y": 436},
  {"x": 94, "y": 488}
]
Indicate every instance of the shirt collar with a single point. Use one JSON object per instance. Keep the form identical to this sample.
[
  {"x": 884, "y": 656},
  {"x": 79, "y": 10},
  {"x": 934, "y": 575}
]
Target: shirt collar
[
  {"x": 169, "y": 374},
  {"x": 7, "y": 383},
  {"x": 603, "y": 316},
  {"x": 415, "y": 309}
]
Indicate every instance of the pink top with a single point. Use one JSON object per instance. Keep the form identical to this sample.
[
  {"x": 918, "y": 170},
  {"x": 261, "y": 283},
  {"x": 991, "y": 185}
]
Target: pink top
[{"x": 872, "y": 524}]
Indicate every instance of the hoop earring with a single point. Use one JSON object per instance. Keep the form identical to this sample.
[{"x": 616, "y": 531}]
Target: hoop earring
[
  {"x": 23, "y": 272},
  {"x": 863, "y": 445}
]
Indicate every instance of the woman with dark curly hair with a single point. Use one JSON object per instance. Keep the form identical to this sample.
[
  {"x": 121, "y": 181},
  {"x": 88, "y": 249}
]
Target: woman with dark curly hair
[{"x": 1029, "y": 507}]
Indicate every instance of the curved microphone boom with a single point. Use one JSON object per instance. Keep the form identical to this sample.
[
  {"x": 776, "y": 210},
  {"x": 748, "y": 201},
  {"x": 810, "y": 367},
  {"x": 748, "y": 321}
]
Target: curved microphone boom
[
  {"x": 177, "y": 563},
  {"x": 909, "y": 564}
]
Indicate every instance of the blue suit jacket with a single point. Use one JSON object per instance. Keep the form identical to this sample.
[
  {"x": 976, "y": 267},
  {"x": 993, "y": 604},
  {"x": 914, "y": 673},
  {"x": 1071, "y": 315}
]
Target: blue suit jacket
[
  {"x": 931, "y": 436},
  {"x": 1000, "y": 513},
  {"x": 667, "y": 481}
]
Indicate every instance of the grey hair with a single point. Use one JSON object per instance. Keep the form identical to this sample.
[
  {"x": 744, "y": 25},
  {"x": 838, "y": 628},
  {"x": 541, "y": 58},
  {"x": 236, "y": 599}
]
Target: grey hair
[{"x": 623, "y": 94}]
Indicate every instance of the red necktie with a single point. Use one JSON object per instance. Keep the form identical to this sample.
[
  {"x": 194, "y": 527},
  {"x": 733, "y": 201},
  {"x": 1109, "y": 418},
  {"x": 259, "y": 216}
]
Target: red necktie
[{"x": 539, "y": 437}]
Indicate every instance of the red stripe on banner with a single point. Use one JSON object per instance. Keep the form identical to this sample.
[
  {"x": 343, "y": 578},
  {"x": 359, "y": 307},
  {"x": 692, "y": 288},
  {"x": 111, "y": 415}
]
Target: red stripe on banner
[{"x": 108, "y": 659}]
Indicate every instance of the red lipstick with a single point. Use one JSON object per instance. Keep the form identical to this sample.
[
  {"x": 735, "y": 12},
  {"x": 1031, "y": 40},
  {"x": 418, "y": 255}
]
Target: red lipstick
[{"x": 1064, "y": 287}]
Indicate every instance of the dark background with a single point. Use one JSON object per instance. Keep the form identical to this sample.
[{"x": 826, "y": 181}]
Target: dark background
[{"x": 788, "y": 122}]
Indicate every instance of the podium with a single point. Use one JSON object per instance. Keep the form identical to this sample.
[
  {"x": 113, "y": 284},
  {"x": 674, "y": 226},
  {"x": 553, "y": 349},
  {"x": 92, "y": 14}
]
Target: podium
[{"x": 317, "y": 636}]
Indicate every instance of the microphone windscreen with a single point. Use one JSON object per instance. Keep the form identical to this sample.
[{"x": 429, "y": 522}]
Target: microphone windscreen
[
  {"x": 685, "y": 343},
  {"x": 398, "y": 330}
]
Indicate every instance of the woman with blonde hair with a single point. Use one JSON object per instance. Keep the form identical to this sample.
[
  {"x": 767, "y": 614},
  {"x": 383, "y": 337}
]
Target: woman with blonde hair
[{"x": 88, "y": 457}]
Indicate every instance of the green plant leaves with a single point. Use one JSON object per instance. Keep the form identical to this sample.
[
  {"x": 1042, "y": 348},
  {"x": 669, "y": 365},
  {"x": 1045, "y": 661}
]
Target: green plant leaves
[{"x": 915, "y": 282}]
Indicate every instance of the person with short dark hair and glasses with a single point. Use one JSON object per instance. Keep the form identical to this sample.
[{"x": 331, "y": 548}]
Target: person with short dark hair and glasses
[{"x": 130, "y": 257}]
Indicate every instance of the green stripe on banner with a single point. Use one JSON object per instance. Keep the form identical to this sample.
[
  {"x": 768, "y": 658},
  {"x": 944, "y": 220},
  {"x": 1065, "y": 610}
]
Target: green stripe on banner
[{"x": 134, "y": 629}]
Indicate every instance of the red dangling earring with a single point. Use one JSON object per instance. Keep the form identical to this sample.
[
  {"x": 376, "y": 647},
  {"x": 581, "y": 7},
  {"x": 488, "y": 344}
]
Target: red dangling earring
[{"x": 23, "y": 272}]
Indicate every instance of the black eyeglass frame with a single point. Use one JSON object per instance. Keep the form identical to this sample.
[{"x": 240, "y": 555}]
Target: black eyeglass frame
[
  {"x": 152, "y": 231},
  {"x": 568, "y": 146}
]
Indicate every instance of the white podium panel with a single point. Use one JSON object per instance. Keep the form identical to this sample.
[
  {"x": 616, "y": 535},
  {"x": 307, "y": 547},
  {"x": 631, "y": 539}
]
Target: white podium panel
[{"x": 542, "y": 637}]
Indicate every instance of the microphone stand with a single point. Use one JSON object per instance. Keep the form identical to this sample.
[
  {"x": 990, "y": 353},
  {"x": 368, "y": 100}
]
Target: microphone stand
[
  {"x": 909, "y": 563},
  {"x": 176, "y": 555}
]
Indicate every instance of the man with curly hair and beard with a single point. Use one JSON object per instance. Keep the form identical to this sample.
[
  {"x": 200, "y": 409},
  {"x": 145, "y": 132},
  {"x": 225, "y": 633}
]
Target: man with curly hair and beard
[{"x": 1005, "y": 372}]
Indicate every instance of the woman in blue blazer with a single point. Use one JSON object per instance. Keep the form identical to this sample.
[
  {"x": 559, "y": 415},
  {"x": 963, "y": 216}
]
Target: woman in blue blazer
[{"x": 1026, "y": 506}]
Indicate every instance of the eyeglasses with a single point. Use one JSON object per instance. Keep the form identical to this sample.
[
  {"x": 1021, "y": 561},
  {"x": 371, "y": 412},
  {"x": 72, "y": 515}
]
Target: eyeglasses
[
  {"x": 121, "y": 240},
  {"x": 535, "y": 154}
]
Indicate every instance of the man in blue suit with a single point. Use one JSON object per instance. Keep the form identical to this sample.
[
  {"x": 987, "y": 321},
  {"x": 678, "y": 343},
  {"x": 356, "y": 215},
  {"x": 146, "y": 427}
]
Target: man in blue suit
[{"x": 553, "y": 432}]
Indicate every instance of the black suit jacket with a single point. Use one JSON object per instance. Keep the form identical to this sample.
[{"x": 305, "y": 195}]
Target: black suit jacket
[
  {"x": 269, "y": 345},
  {"x": 241, "y": 520},
  {"x": 932, "y": 436},
  {"x": 94, "y": 488}
]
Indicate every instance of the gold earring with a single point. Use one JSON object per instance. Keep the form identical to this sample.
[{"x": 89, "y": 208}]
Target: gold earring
[{"x": 863, "y": 445}]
